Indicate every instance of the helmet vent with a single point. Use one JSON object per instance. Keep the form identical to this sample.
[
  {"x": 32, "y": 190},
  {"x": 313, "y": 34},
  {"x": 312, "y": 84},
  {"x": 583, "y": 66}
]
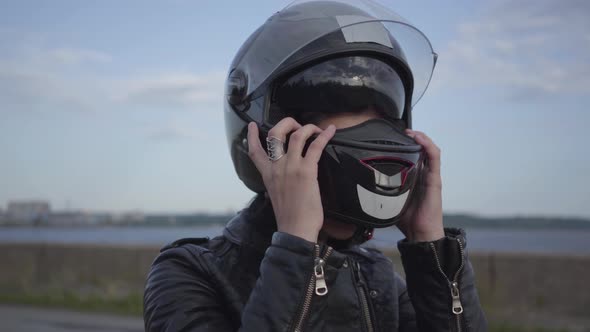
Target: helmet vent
[
  {"x": 382, "y": 142},
  {"x": 387, "y": 167}
]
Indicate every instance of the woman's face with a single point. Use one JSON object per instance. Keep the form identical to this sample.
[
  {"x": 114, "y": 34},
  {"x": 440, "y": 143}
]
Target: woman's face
[
  {"x": 333, "y": 228},
  {"x": 348, "y": 119}
]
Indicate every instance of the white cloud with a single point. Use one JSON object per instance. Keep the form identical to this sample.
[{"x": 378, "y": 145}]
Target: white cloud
[
  {"x": 26, "y": 87},
  {"x": 526, "y": 48},
  {"x": 179, "y": 89},
  {"x": 71, "y": 56},
  {"x": 33, "y": 77},
  {"x": 37, "y": 78},
  {"x": 175, "y": 131}
]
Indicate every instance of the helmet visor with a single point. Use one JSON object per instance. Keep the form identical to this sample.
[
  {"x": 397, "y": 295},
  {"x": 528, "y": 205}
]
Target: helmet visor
[
  {"x": 360, "y": 21},
  {"x": 348, "y": 84}
]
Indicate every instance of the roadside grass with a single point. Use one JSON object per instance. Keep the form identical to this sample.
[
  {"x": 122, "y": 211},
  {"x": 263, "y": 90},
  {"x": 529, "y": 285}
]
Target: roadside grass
[
  {"x": 505, "y": 327},
  {"x": 131, "y": 304}
]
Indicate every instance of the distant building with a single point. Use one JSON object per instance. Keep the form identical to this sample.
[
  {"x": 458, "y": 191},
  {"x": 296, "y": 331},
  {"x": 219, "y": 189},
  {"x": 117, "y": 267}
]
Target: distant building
[
  {"x": 127, "y": 218},
  {"x": 97, "y": 218},
  {"x": 66, "y": 218},
  {"x": 27, "y": 212}
]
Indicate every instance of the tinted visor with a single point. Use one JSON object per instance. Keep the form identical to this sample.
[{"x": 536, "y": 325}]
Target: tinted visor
[
  {"x": 304, "y": 22},
  {"x": 348, "y": 84}
]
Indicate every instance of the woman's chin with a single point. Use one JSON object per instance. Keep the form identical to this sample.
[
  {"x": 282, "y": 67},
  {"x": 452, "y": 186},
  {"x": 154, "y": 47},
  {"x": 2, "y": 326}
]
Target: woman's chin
[{"x": 338, "y": 230}]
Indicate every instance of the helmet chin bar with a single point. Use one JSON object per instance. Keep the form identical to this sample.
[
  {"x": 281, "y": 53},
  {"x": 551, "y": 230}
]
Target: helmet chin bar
[{"x": 369, "y": 182}]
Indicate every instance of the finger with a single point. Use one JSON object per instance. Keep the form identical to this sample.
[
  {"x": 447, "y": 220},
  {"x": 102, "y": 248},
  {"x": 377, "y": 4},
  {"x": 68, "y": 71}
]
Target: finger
[
  {"x": 432, "y": 151},
  {"x": 314, "y": 153},
  {"x": 285, "y": 126},
  {"x": 298, "y": 139},
  {"x": 255, "y": 150}
]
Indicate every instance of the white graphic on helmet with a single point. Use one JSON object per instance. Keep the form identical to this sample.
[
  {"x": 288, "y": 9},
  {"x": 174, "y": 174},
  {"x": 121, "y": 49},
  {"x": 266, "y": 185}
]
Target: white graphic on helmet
[{"x": 380, "y": 206}]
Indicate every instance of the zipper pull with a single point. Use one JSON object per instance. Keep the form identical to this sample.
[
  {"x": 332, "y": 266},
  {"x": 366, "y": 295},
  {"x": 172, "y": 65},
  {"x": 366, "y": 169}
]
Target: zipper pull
[
  {"x": 321, "y": 288},
  {"x": 358, "y": 272},
  {"x": 457, "y": 307}
]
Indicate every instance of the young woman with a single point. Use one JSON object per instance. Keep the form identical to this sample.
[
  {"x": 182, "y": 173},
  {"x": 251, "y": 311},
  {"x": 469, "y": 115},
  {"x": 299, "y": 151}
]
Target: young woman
[{"x": 329, "y": 87}]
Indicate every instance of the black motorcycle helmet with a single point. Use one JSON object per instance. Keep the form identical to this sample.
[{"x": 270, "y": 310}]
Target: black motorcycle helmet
[{"x": 317, "y": 57}]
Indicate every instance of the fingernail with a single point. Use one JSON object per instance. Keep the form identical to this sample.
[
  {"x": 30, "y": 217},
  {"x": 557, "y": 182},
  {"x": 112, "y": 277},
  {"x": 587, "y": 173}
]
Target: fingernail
[{"x": 332, "y": 127}]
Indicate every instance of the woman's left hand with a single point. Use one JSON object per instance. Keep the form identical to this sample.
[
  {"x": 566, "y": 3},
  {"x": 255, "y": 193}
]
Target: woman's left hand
[{"x": 423, "y": 220}]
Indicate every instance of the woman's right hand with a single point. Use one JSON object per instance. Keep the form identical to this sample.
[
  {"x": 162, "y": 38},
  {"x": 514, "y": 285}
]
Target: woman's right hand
[{"x": 292, "y": 181}]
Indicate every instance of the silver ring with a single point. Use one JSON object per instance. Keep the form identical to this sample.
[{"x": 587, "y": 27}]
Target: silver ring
[{"x": 275, "y": 147}]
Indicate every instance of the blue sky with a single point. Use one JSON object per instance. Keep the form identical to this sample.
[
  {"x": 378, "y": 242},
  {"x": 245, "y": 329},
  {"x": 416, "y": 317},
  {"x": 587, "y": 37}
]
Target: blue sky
[{"x": 117, "y": 105}]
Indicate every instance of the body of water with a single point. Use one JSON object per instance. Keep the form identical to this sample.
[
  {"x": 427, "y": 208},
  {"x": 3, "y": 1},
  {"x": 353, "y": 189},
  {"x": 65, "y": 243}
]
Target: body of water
[{"x": 478, "y": 239}]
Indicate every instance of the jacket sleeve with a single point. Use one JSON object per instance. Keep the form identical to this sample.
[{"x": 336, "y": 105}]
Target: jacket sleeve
[
  {"x": 181, "y": 294},
  {"x": 441, "y": 293}
]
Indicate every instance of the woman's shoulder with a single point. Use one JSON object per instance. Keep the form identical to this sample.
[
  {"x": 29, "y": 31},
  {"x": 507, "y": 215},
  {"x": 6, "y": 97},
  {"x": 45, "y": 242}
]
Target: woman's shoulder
[
  {"x": 183, "y": 256},
  {"x": 191, "y": 249}
]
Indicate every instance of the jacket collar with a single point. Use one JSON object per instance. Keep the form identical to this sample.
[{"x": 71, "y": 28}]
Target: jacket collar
[{"x": 253, "y": 226}]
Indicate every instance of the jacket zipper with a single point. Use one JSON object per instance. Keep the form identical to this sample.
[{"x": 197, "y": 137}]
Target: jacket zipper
[
  {"x": 363, "y": 298},
  {"x": 317, "y": 282},
  {"x": 456, "y": 307}
]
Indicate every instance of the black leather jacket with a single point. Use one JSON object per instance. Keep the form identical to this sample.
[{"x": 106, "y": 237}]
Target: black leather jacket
[{"x": 253, "y": 278}]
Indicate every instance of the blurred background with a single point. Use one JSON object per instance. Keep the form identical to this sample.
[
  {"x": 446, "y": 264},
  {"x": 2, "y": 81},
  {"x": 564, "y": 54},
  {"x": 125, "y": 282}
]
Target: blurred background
[{"x": 112, "y": 144}]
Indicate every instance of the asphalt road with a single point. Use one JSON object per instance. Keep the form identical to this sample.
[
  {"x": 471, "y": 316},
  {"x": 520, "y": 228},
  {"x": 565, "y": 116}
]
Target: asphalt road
[{"x": 29, "y": 319}]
